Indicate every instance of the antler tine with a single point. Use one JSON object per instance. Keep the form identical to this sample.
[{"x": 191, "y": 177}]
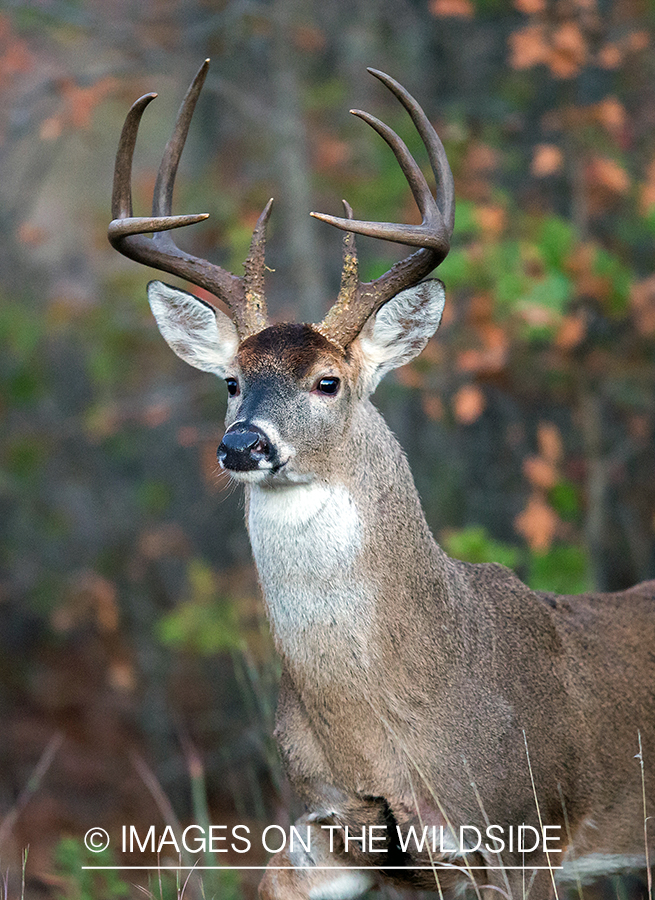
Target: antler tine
[
  {"x": 425, "y": 234},
  {"x": 127, "y": 232},
  {"x": 347, "y": 317},
  {"x": 349, "y": 284},
  {"x": 254, "y": 277},
  {"x": 124, "y": 223},
  {"x": 162, "y": 199},
  {"x": 436, "y": 153}
]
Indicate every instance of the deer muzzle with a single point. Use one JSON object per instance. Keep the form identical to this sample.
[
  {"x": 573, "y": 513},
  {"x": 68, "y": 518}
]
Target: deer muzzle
[{"x": 245, "y": 448}]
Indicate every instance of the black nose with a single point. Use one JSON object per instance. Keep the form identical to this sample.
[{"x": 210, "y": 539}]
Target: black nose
[{"x": 243, "y": 448}]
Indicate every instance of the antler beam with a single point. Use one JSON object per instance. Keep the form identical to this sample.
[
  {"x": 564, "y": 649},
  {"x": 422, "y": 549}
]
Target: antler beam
[
  {"x": 358, "y": 300},
  {"x": 244, "y": 296}
]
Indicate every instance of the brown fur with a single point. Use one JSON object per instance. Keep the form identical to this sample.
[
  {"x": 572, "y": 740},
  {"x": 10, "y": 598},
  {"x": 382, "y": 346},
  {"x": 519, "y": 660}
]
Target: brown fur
[
  {"x": 289, "y": 348},
  {"x": 411, "y": 682},
  {"x": 467, "y": 659}
]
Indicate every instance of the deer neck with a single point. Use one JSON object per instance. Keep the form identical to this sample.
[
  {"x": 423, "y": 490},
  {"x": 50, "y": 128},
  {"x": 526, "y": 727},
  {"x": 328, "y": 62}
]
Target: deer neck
[{"x": 339, "y": 555}]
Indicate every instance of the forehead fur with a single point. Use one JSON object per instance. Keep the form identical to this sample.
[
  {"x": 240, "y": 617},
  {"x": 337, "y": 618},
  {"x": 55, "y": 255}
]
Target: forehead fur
[{"x": 287, "y": 348}]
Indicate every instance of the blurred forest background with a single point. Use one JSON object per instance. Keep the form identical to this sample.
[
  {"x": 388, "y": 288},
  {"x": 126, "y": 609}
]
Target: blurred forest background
[{"x": 137, "y": 680}]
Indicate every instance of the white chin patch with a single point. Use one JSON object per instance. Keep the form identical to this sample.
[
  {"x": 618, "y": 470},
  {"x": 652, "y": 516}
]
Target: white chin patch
[
  {"x": 346, "y": 886},
  {"x": 254, "y": 476}
]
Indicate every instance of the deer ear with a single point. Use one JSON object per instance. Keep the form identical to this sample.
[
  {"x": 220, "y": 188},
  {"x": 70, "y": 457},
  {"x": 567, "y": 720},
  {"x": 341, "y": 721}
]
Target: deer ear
[
  {"x": 199, "y": 333},
  {"x": 400, "y": 329}
]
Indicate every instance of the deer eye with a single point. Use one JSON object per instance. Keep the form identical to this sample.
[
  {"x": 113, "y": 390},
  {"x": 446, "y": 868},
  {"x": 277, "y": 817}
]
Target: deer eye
[
  {"x": 232, "y": 386},
  {"x": 328, "y": 386}
]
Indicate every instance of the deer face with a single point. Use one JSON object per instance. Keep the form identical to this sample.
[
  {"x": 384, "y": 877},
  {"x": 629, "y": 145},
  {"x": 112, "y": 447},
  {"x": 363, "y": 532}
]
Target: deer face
[
  {"x": 292, "y": 393},
  {"x": 289, "y": 405}
]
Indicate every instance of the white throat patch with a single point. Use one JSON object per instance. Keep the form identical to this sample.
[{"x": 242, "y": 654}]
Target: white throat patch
[{"x": 306, "y": 539}]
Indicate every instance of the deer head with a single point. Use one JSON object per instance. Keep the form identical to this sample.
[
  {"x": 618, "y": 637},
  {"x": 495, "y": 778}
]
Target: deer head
[{"x": 292, "y": 388}]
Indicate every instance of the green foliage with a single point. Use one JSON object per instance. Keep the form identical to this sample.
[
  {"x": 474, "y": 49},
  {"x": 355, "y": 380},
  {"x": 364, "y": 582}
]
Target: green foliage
[
  {"x": 473, "y": 544},
  {"x": 21, "y": 331},
  {"x": 488, "y": 8},
  {"x": 562, "y": 569},
  {"x": 324, "y": 95},
  {"x": 154, "y": 496},
  {"x": 228, "y": 885},
  {"x": 455, "y": 270},
  {"x": 564, "y": 497},
  {"x": 619, "y": 277},
  {"x": 21, "y": 370},
  {"x": 70, "y": 857},
  {"x": 25, "y": 456},
  {"x": 554, "y": 291},
  {"x": 556, "y": 240},
  {"x": 505, "y": 274},
  {"x": 466, "y": 223},
  {"x": 204, "y": 622}
]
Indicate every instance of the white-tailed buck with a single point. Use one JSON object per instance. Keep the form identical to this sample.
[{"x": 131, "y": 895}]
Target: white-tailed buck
[{"x": 416, "y": 690}]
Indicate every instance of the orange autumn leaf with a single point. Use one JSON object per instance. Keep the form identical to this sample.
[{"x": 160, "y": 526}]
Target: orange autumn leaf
[
  {"x": 647, "y": 190},
  {"x": 432, "y": 406},
  {"x": 528, "y": 47},
  {"x": 468, "y": 404},
  {"x": 410, "y": 377},
  {"x": 547, "y": 159},
  {"x": 642, "y": 303},
  {"x": 156, "y": 414},
  {"x": 568, "y": 52},
  {"x": 488, "y": 361},
  {"x": 330, "y": 153},
  {"x": 581, "y": 265},
  {"x": 637, "y": 40},
  {"x": 452, "y": 9},
  {"x": 162, "y": 541},
  {"x": 90, "y": 596},
  {"x": 609, "y": 175},
  {"x": 481, "y": 158},
  {"x": 549, "y": 441},
  {"x": 537, "y": 523},
  {"x": 639, "y": 427},
  {"x": 530, "y": 7},
  {"x": 491, "y": 220},
  {"x": 16, "y": 59},
  {"x": 610, "y": 56},
  {"x": 540, "y": 472},
  {"x": 537, "y": 316},
  {"x": 188, "y": 436},
  {"x": 122, "y": 676},
  {"x": 32, "y": 235},
  {"x": 51, "y": 128},
  {"x": 308, "y": 38},
  {"x": 492, "y": 356},
  {"x": 571, "y": 332},
  {"x": 81, "y": 102},
  {"x": 611, "y": 114},
  {"x": 481, "y": 308}
]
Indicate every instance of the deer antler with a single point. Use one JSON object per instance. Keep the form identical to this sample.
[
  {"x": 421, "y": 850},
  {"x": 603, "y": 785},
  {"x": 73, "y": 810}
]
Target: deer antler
[
  {"x": 243, "y": 296},
  {"x": 358, "y": 300}
]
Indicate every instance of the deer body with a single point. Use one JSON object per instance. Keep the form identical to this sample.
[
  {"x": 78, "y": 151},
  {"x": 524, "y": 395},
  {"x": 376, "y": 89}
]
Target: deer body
[
  {"x": 416, "y": 690},
  {"x": 396, "y": 665}
]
